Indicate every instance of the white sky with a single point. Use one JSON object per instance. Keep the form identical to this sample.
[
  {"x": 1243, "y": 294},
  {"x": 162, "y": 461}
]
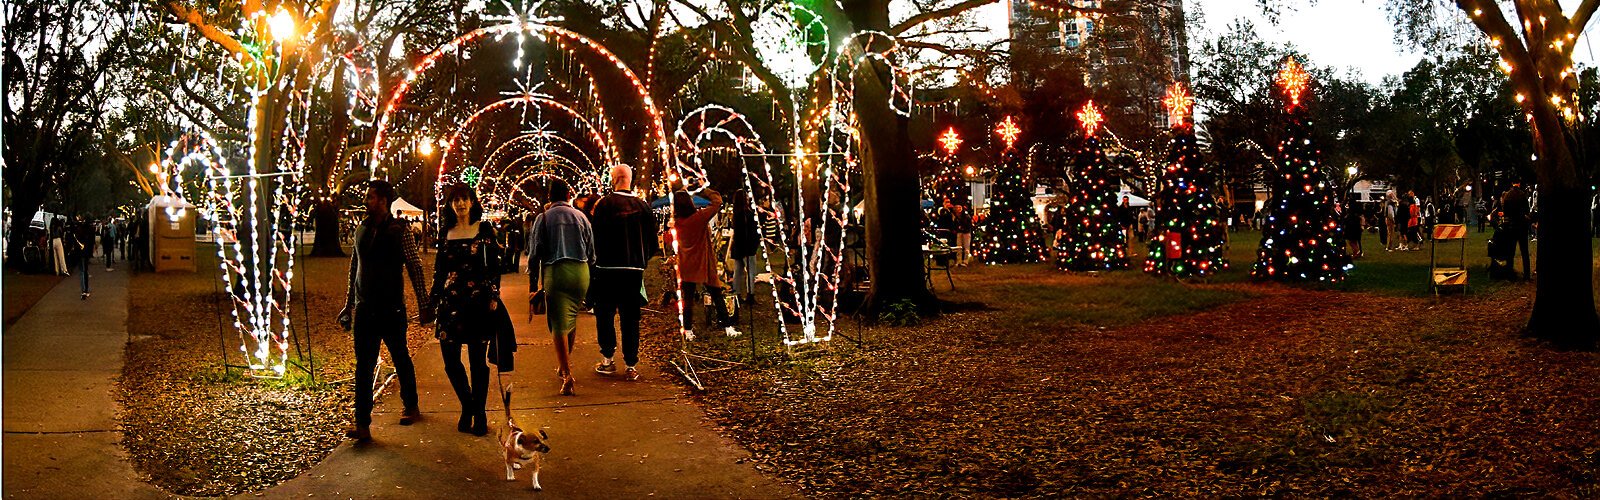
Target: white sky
[{"x": 1345, "y": 34}]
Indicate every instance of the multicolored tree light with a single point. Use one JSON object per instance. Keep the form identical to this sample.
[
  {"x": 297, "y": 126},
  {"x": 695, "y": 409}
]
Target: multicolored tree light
[
  {"x": 1091, "y": 238},
  {"x": 1299, "y": 241},
  {"x": 1189, "y": 235}
]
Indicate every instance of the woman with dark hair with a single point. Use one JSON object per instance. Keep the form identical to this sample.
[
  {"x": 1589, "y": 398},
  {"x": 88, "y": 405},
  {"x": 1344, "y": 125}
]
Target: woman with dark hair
[
  {"x": 466, "y": 289},
  {"x": 560, "y": 250},
  {"x": 696, "y": 264}
]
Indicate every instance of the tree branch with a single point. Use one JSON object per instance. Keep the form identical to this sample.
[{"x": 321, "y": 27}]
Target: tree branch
[
  {"x": 934, "y": 15},
  {"x": 194, "y": 18}
]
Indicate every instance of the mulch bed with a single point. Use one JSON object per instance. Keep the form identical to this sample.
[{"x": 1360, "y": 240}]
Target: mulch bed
[
  {"x": 1294, "y": 392},
  {"x": 196, "y": 429}
]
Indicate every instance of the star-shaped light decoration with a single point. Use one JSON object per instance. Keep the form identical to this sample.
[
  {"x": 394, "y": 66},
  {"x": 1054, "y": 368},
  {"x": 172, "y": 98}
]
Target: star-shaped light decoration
[
  {"x": 1294, "y": 80},
  {"x": 1008, "y": 131},
  {"x": 950, "y": 140},
  {"x": 1178, "y": 102},
  {"x": 1090, "y": 118}
]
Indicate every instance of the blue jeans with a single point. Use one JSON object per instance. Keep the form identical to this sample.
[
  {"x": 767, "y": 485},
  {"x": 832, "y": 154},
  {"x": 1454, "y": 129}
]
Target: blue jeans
[{"x": 83, "y": 274}]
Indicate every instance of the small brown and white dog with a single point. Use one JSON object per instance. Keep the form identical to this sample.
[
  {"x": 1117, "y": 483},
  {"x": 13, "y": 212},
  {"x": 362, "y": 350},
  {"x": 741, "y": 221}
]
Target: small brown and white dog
[{"x": 521, "y": 447}]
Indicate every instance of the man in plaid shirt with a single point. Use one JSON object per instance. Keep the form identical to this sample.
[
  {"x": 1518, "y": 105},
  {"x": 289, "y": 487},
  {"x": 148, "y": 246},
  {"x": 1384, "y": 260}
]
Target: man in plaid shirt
[{"x": 375, "y": 305}]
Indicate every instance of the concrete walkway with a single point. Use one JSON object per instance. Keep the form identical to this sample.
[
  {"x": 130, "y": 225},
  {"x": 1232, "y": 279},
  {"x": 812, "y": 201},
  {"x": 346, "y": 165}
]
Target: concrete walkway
[
  {"x": 61, "y": 361},
  {"x": 615, "y": 439}
]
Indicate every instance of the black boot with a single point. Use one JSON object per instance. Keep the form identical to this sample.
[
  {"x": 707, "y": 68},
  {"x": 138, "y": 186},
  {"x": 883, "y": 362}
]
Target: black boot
[{"x": 480, "y": 420}]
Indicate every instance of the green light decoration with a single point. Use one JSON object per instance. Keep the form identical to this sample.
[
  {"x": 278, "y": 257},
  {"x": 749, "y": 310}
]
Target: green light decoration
[{"x": 471, "y": 176}]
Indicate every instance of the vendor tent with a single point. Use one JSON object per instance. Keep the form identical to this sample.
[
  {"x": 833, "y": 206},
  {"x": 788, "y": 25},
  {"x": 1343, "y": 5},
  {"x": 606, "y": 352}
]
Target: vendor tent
[{"x": 403, "y": 208}]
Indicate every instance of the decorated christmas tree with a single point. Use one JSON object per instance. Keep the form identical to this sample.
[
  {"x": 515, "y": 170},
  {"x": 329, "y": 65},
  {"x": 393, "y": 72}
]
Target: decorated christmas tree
[
  {"x": 1189, "y": 234},
  {"x": 1012, "y": 233},
  {"x": 1091, "y": 238},
  {"x": 1299, "y": 241}
]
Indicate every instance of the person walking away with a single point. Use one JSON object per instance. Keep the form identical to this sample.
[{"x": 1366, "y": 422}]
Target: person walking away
[
  {"x": 80, "y": 248},
  {"x": 562, "y": 247},
  {"x": 1514, "y": 213},
  {"x": 466, "y": 291},
  {"x": 108, "y": 243},
  {"x": 375, "y": 306},
  {"x": 624, "y": 240},
  {"x": 695, "y": 264},
  {"x": 746, "y": 242},
  {"x": 963, "y": 227}
]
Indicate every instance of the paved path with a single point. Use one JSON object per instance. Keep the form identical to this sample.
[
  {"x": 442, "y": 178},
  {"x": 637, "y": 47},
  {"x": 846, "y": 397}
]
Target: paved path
[
  {"x": 61, "y": 361},
  {"x": 615, "y": 439}
]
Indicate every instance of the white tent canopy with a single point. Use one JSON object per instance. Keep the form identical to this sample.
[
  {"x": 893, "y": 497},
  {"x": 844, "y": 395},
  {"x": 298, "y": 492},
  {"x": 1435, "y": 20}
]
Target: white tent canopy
[
  {"x": 403, "y": 208},
  {"x": 1133, "y": 199}
]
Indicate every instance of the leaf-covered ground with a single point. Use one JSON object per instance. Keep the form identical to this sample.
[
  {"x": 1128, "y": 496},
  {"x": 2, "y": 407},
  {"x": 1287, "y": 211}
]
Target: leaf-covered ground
[
  {"x": 1044, "y": 384},
  {"x": 194, "y": 428}
]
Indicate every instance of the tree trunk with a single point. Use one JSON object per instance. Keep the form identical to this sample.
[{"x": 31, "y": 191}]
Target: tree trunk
[
  {"x": 1564, "y": 302},
  {"x": 892, "y": 215},
  {"x": 326, "y": 244}
]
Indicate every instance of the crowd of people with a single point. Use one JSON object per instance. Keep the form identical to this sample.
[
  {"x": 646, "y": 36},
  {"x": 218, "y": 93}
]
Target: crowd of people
[{"x": 585, "y": 253}]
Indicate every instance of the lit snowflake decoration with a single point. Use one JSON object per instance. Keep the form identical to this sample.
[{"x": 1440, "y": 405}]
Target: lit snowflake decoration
[
  {"x": 515, "y": 23},
  {"x": 1008, "y": 131},
  {"x": 950, "y": 140},
  {"x": 471, "y": 176},
  {"x": 1178, "y": 102},
  {"x": 1090, "y": 118}
]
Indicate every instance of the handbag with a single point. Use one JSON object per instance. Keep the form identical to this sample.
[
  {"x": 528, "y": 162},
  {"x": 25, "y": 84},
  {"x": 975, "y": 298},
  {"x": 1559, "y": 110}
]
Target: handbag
[{"x": 536, "y": 303}]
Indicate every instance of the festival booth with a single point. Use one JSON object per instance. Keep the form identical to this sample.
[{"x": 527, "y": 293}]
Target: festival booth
[
  {"x": 171, "y": 234},
  {"x": 403, "y": 209}
]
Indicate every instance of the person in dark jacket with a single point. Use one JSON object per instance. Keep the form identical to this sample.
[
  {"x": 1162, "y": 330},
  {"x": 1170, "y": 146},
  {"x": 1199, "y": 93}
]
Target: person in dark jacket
[
  {"x": 746, "y": 242},
  {"x": 80, "y": 249},
  {"x": 962, "y": 221},
  {"x": 1514, "y": 211},
  {"x": 375, "y": 306},
  {"x": 624, "y": 241}
]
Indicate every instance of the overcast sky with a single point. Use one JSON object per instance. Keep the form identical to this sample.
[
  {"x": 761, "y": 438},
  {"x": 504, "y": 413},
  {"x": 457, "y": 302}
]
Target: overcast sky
[{"x": 1353, "y": 34}]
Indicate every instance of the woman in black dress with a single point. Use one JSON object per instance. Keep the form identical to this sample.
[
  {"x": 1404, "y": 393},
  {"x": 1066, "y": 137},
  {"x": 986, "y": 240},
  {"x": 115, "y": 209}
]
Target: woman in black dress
[{"x": 466, "y": 289}]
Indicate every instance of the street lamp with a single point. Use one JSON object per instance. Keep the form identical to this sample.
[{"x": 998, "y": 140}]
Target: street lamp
[
  {"x": 1352, "y": 171},
  {"x": 426, "y": 147}
]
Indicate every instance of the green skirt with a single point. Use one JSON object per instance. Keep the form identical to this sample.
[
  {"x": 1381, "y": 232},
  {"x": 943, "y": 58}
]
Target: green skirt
[{"x": 565, "y": 284}]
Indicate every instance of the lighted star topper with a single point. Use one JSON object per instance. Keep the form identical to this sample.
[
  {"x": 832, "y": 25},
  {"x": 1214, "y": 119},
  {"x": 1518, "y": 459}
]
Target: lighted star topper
[
  {"x": 1293, "y": 79},
  {"x": 950, "y": 140},
  {"x": 1008, "y": 131},
  {"x": 1090, "y": 119},
  {"x": 1178, "y": 102}
]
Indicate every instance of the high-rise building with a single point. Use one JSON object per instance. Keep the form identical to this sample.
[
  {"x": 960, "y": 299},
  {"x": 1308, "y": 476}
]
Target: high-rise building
[{"x": 1135, "y": 46}]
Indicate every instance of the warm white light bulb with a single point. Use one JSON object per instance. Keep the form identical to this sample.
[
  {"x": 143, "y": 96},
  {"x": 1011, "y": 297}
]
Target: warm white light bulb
[{"x": 282, "y": 26}]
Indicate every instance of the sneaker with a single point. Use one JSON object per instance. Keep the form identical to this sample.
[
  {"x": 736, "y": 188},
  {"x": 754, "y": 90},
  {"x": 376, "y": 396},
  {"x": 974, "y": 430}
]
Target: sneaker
[
  {"x": 731, "y": 331},
  {"x": 631, "y": 375},
  {"x": 410, "y": 416},
  {"x": 688, "y": 334},
  {"x": 606, "y": 367},
  {"x": 85, "y": 296},
  {"x": 360, "y": 433}
]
